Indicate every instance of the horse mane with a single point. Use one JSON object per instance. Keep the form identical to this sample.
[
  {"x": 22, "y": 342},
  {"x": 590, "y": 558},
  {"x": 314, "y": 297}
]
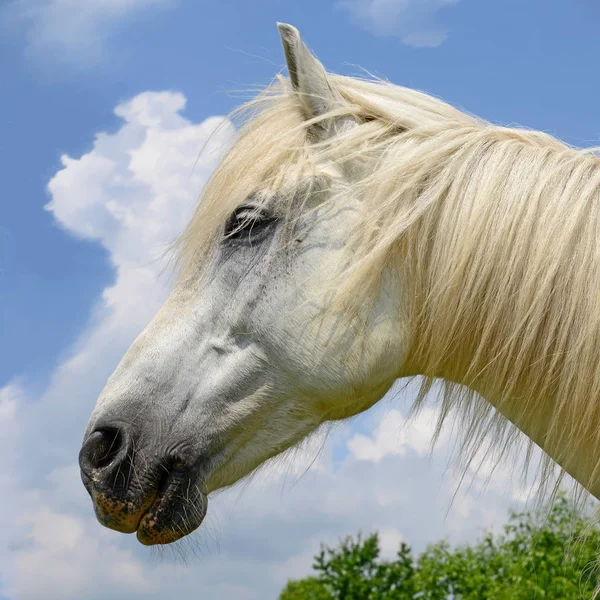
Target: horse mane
[{"x": 495, "y": 229}]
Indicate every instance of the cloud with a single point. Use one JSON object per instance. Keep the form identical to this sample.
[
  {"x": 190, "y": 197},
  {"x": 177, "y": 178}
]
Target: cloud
[
  {"x": 394, "y": 437},
  {"x": 68, "y": 561},
  {"x": 415, "y": 22},
  {"x": 73, "y": 31},
  {"x": 132, "y": 193}
]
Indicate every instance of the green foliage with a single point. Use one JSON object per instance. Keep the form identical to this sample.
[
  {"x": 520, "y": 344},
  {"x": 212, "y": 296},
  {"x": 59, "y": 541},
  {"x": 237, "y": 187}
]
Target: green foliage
[
  {"x": 310, "y": 588},
  {"x": 541, "y": 555}
]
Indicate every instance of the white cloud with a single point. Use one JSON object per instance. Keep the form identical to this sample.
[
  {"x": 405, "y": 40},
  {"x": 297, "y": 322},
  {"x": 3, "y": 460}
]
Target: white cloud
[
  {"x": 67, "y": 560},
  {"x": 389, "y": 542},
  {"x": 132, "y": 193},
  {"x": 416, "y": 22},
  {"x": 8, "y": 402},
  {"x": 395, "y": 437},
  {"x": 72, "y": 30}
]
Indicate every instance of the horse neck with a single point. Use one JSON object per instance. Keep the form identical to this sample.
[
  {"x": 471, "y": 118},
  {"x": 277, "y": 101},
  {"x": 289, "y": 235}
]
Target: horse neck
[{"x": 507, "y": 303}]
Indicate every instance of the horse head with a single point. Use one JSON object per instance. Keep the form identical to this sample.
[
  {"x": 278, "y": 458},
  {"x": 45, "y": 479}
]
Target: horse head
[{"x": 247, "y": 357}]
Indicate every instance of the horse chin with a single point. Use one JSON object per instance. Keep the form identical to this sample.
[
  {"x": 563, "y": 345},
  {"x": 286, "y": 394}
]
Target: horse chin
[
  {"x": 169, "y": 520},
  {"x": 179, "y": 507}
]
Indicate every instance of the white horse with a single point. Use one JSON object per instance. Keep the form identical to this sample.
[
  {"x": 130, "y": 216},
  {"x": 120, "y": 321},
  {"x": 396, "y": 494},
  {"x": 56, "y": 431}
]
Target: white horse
[{"x": 358, "y": 232}]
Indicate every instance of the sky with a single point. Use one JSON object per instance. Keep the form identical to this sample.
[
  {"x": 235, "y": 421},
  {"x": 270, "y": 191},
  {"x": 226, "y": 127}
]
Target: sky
[{"x": 106, "y": 107}]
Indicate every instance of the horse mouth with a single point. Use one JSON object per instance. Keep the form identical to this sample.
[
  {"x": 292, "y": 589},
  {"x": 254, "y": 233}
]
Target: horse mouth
[{"x": 162, "y": 513}]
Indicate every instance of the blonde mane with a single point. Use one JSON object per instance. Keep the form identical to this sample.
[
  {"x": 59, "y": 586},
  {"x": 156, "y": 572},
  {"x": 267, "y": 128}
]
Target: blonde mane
[{"x": 494, "y": 229}]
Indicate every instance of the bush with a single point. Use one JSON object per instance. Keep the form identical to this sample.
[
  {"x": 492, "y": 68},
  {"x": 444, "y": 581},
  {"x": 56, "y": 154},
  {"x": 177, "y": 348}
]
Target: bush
[{"x": 547, "y": 554}]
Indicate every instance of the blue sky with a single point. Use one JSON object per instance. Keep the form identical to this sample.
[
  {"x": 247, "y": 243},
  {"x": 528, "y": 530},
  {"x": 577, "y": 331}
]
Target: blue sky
[{"x": 76, "y": 284}]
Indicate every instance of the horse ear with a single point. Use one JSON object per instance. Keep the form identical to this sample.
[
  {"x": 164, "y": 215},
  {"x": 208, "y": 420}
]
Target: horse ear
[{"x": 307, "y": 74}]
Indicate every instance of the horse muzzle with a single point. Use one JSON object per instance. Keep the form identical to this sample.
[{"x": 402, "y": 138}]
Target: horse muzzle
[{"x": 158, "y": 494}]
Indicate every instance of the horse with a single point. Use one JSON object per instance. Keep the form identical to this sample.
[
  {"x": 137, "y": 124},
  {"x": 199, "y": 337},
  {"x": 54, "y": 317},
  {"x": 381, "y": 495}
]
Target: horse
[{"x": 358, "y": 232}]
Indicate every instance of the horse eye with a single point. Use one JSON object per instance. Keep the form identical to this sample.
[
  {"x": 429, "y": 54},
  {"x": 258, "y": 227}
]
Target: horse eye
[{"x": 247, "y": 223}]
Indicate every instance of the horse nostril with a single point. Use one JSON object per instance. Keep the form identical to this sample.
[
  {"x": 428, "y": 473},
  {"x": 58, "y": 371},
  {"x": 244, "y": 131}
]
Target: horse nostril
[{"x": 101, "y": 449}]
